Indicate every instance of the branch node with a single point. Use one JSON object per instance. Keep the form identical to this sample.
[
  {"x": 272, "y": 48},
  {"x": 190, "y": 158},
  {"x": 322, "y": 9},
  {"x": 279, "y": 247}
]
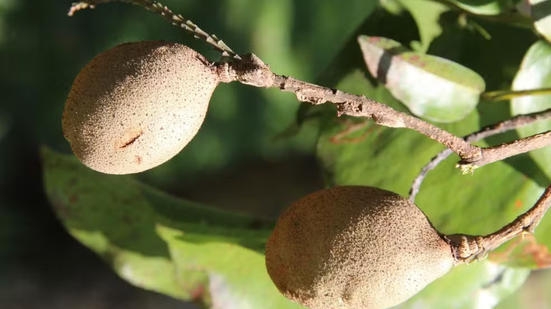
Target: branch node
[
  {"x": 253, "y": 71},
  {"x": 466, "y": 168},
  {"x": 309, "y": 95}
]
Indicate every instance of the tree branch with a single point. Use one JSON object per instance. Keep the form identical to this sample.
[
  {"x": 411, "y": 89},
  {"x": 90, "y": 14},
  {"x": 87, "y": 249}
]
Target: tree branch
[
  {"x": 252, "y": 71},
  {"x": 491, "y": 130},
  {"x": 467, "y": 248}
]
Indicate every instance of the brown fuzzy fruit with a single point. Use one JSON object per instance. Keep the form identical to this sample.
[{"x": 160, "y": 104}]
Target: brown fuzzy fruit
[
  {"x": 354, "y": 247},
  {"x": 137, "y": 105}
]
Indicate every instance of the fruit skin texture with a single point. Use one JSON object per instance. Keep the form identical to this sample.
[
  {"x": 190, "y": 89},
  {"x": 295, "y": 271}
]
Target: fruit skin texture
[
  {"x": 354, "y": 247},
  {"x": 137, "y": 105}
]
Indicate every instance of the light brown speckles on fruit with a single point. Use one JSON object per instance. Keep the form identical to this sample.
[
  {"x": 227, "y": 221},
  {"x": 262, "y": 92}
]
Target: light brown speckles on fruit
[
  {"x": 137, "y": 105},
  {"x": 354, "y": 247}
]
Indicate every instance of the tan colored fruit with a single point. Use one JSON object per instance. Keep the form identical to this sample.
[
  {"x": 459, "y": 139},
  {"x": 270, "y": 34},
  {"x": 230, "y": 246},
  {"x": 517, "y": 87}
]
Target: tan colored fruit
[
  {"x": 354, "y": 247},
  {"x": 137, "y": 105}
]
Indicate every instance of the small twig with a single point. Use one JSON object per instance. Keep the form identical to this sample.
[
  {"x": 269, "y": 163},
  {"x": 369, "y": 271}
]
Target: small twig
[
  {"x": 507, "y": 125},
  {"x": 416, "y": 185},
  {"x": 511, "y": 18},
  {"x": 504, "y": 151},
  {"x": 467, "y": 247},
  {"x": 176, "y": 19},
  {"x": 502, "y": 95}
]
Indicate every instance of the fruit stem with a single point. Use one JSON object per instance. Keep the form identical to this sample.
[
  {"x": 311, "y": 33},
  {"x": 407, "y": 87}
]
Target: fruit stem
[{"x": 467, "y": 248}]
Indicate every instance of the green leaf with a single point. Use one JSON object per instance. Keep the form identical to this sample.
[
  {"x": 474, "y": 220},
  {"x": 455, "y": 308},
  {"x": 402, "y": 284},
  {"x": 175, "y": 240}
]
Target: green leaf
[
  {"x": 161, "y": 243},
  {"x": 486, "y": 7},
  {"x": 426, "y": 14},
  {"x": 489, "y": 58},
  {"x": 534, "y": 293},
  {"x": 431, "y": 87},
  {"x": 479, "y": 285},
  {"x": 534, "y": 73},
  {"x": 540, "y": 10},
  {"x": 236, "y": 277}
]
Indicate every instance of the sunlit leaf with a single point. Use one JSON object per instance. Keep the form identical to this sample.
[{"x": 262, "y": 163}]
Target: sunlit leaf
[
  {"x": 235, "y": 277},
  {"x": 487, "y": 7},
  {"x": 161, "y": 243},
  {"x": 427, "y": 14},
  {"x": 479, "y": 285},
  {"x": 534, "y": 73},
  {"x": 540, "y": 10},
  {"x": 431, "y": 87},
  {"x": 534, "y": 294}
]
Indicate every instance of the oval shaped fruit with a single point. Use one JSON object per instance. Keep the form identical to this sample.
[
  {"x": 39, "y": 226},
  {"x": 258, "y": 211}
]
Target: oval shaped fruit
[
  {"x": 355, "y": 247},
  {"x": 137, "y": 105}
]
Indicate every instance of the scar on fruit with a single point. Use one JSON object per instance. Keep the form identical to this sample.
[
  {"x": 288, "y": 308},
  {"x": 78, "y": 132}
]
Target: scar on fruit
[{"x": 129, "y": 138}]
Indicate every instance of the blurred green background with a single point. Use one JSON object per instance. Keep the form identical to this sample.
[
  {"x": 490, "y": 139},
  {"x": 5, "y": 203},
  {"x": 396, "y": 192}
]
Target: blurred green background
[{"x": 234, "y": 162}]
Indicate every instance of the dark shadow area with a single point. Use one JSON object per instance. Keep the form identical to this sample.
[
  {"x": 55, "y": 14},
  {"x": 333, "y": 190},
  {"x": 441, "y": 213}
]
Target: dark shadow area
[
  {"x": 70, "y": 276},
  {"x": 540, "y": 10},
  {"x": 386, "y": 60},
  {"x": 350, "y": 56}
]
